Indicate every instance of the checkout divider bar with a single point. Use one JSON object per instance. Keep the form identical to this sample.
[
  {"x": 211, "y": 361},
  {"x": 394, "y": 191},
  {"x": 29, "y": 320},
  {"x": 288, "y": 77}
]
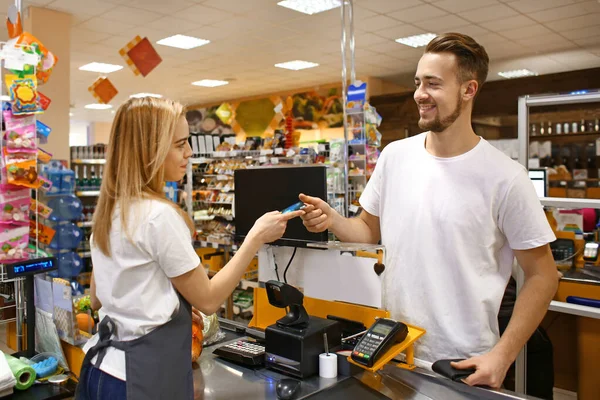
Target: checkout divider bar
[{"x": 574, "y": 309}]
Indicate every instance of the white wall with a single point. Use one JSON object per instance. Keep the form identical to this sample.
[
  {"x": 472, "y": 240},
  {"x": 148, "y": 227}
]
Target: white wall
[{"x": 78, "y": 133}]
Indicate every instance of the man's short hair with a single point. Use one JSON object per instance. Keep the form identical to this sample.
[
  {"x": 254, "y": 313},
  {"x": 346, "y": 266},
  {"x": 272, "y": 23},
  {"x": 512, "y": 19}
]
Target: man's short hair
[{"x": 473, "y": 61}]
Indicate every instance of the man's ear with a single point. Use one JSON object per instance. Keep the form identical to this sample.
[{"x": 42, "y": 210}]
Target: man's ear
[{"x": 470, "y": 89}]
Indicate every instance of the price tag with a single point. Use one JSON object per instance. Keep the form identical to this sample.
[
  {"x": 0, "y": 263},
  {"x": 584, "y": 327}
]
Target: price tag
[
  {"x": 262, "y": 160},
  {"x": 278, "y": 151},
  {"x": 290, "y": 153},
  {"x": 353, "y": 208},
  {"x": 274, "y": 160},
  {"x": 322, "y": 148}
]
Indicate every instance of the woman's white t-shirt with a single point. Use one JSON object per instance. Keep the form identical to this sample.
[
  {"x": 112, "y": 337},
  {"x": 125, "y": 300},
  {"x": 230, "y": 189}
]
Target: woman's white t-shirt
[{"x": 133, "y": 284}]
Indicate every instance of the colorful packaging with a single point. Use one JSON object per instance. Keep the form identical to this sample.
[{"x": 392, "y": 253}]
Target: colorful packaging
[
  {"x": 43, "y": 101},
  {"x": 23, "y": 174},
  {"x": 44, "y": 233},
  {"x": 15, "y": 211},
  {"x": 13, "y": 243},
  {"x": 31, "y": 44},
  {"x": 23, "y": 94},
  {"x": 39, "y": 208},
  {"x": 21, "y": 140},
  {"x": 43, "y": 156},
  {"x": 13, "y": 122},
  {"x": 42, "y": 130}
]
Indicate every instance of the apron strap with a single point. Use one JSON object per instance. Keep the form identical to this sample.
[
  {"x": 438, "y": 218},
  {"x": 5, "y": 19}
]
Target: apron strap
[{"x": 106, "y": 329}]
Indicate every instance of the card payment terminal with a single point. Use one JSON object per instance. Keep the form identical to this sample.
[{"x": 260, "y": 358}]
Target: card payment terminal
[{"x": 383, "y": 334}]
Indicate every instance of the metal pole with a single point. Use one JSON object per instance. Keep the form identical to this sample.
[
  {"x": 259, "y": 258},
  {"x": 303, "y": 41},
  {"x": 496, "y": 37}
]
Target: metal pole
[
  {"x": 523, "y": 137},
  {"x": 19, "y": 303},
  {"x": 344, "y": 105},
  {"x": 351, "y": 23},
  {"x": 188, "y": 189}
]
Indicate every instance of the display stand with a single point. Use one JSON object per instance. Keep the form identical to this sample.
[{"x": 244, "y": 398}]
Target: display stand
[{"x": 525, "y": 103}]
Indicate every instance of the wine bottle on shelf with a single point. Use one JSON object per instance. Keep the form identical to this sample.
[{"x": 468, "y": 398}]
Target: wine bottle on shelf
[
  {"x": 84, "y": 180},
  {"x": 591, "y": 167},
  {"x": 596, "y": 126},
  {"x": 100, "y": 174},
  {"x": 93, "y": 182},
  {"x": 582, "y": 126},
  {"x": 549, "y": 130},
  {"x": 578, "y": 171},
  {"x": 542, "y": 130}
]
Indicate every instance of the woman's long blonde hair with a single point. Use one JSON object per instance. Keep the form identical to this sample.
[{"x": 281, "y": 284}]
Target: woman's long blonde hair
[{"x": 140, "y": 139}]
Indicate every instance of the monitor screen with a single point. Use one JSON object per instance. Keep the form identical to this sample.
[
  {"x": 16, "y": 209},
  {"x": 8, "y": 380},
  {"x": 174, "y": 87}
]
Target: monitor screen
[
  {"x": 538, "y": 176},
  {"x": 264, "y": 189}
]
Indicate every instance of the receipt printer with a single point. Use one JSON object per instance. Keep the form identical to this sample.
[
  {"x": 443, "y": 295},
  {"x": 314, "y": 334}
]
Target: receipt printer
[{"x": 294, "y": 342}]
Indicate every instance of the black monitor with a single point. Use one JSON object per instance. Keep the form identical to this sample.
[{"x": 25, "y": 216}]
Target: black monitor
[{"x": 263, "y": 189}]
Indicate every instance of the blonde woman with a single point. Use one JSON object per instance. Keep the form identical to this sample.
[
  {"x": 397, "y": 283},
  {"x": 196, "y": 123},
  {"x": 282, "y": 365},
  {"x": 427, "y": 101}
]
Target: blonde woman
[{"x": 147, "y": 275}]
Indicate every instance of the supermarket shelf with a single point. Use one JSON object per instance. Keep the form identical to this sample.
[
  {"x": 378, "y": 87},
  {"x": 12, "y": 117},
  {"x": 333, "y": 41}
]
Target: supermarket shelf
[
  {"x": 84, "y": 254},
  {"x": 224, "y": 203},
  {"x": 219, "y": 176},
  {"x": 221, "y": 190},
  {"x": 357, "y": 175},
  {"x": 88, "y": 161},
  {"x": 554, "y": 136},
  {"x": 569, "y": 202},
  {"x": 88, "y": 193},
  {"x": 201, "y": 243},
  {"x": 86, "y": 224}
]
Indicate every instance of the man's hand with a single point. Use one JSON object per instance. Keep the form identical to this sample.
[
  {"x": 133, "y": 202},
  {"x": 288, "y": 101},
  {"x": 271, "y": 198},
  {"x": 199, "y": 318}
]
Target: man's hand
[
  {"x": 197, "y": 317},
  {"x": 490, "y": 368},
  {"x": 318, "y": 215}
]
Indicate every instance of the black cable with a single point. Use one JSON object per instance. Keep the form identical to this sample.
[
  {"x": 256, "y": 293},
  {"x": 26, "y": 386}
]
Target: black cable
[
  {"x": 276, "y": 268},
  {"x": 288, "y": 265}
]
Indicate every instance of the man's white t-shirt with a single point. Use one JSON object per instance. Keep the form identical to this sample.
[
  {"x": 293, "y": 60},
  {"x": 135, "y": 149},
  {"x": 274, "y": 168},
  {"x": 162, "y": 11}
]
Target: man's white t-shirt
[
  {"x": 449, "y": 226},
  {"x": 133, "y": 284}
]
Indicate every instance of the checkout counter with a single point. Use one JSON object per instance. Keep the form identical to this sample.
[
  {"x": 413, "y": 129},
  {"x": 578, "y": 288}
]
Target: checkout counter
[{"x": 216, "y": 378}]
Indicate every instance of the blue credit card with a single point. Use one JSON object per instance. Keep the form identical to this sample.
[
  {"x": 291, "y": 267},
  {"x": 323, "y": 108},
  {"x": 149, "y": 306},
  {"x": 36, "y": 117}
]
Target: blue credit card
[{"x": 294, "y": 207}]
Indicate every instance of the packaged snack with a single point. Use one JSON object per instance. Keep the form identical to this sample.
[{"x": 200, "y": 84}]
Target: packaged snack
[
  {"x": 13, "y": 243},
  {"x": 23, "y": 94},
  {"x": 43, "y": 101},
  {"x": 40, "y": 209},
  {"x": 30, "y": 44},
  {"x": 373, "y": 136},
  {"x": 44, "y": 233},
  {"x": 23, "y": 174},
  {"x": 21, "y": 140},
  {"x": 42, "y": 130},
  {"x": 13, "y": 122},
  {"x": 15, "y": 211},
  {"x": 43, "y": 156},
  {"x": 336, "y": 150}
]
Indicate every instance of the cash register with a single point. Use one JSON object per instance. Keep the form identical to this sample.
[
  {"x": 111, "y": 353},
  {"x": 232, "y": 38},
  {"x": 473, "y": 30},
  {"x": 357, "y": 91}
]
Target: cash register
[{"x": 294, "y": 342}]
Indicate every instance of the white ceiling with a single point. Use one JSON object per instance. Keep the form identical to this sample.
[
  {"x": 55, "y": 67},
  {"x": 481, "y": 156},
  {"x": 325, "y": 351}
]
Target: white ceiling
[{"x": 249, "y": 36}]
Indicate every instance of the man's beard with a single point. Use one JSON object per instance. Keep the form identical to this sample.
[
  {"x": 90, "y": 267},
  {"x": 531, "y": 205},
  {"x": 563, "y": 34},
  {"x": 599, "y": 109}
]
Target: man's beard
[{"x": 439, "y": 125}]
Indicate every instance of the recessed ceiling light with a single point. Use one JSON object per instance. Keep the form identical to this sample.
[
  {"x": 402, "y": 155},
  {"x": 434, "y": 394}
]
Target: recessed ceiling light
[
  {"x": 139, "y": 95},
  {"x": 417, "y": 40},
  {"x": 98, "y": 106},
  {"x": 100, "y": 67},
  {"x": 310, "y": 7},
  {"x": 183, "y": 42},
  {"x": 517, "y": 73},
  {"x": 4, "y": 98},
  {"x": 297, "y": 65},
  {"x": 71, "y": 114},
  {"x": 210, "y": 83}
]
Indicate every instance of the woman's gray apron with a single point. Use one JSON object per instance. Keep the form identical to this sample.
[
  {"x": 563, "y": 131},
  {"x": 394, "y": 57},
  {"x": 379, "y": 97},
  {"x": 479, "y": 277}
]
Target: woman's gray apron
[{"x": 158, "y": 364}]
